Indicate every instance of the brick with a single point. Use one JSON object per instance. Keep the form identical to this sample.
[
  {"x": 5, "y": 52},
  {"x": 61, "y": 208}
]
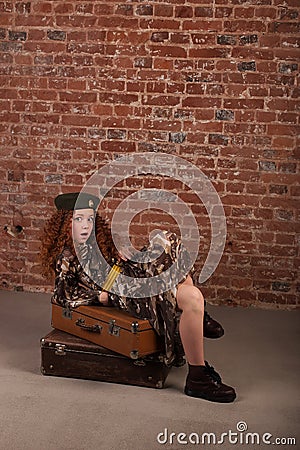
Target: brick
[
  {"x": 209, "y": 25},
  {"x": 10, "y": 47},
  {"x": 204, "y": 11},
  {"x": 245, "y": 26},
  {"x": 42, "y": 7},
  {"x": 244, "y": 104},
  {"x": 17, "y": 35},
  {"x": 257, "y": 54},
  {"x": 116, "y": 134},
  {"x": 247, "y": 66},
  {"x": 93, "y": 35},
  {"x": 169, "y": 51},
  {"x": 278, "y": 189},
  {"x": 226, "y": 39},
  {"x": 117, "y": 146},
  {"x": 244, "y": 12},
  {"x": 283, "y": 214},
  {"x": 218, "y": 139},
  {"x": 183, "y": 114},
  {"x": 63, "y": 8},
  {"x": 287, "y": 117},
  {"x": 159, "y": 23},
  {"x": 295, "y": 191},
  {"x": 223, "y": 11},
  {"x": 223, "y": 114},
  {"x": 54, "y": 179},
  {"x": 248, "y": 39},
  {"x": 180, "y": 38},
  {"x": 284, "y": 27},
  {"x": 85, "y": 97},
  {"x": 56, "y": 35},
  {"x": 143, "y": 62},
  {"x": 43, "y": 59},
  {"x": 184, "y": 11},
  {"x": 23, "y": 7},
  {"x": 85, "y": 8},
  {"x": 208, "y": 53},
  {"x": 286, "y": 13},
  {"x": 268, "y": 13},
  {"x": 288, "y": 68},
  {"x": 77, "y": 21},
  {"x": 288, "y": 167},
  {"x": 85, "y": 48},
  {"x": 96, "y": 133},
  {"x": 161, "y": 100},
  {"x": 160, "y": 36},
  {"x": 177, "y": 138},
  {"x": 163, "y": 10},
  {"x": 195, "y": 88},
  {"x": 268, "y": 166},
  {"x": 144, "y": 10},
  {"x": 282, "y": 129},
  {"x": 281, "y": 286}
]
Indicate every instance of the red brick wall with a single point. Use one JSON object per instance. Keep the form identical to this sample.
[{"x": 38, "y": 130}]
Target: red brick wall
[{"x": 212, "y": 82}]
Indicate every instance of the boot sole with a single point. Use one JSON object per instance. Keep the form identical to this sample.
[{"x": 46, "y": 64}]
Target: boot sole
[
  {"x": 213, "y": 336},
  {"x": 196, "y": 394}
]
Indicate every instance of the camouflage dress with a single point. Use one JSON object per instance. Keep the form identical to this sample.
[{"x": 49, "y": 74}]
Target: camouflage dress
[{"x": 78, "y": 283}]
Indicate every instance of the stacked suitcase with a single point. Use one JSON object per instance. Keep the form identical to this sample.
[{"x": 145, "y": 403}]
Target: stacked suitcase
[{"x": 105, "y": 344}]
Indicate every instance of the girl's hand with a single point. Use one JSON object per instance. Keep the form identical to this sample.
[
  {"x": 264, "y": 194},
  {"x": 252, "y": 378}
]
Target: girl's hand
[
  {"x": 125, "y": 253},
  {"x": 103, "y": 298}
]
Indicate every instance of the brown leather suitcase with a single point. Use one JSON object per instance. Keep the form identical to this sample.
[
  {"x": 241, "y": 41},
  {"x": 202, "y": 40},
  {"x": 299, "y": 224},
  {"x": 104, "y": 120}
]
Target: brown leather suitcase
[
  {"x": 65, "y": 355},
  {"x": 108, "y": 327}
]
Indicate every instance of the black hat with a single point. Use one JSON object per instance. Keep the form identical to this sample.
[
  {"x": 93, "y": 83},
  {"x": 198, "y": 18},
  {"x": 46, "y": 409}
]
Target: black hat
[{"x": 78, "y": 200}]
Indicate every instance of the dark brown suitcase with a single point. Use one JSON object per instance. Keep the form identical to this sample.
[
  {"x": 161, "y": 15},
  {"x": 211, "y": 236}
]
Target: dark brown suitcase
[
  {"x": 108, "y": 327},
  {"x": 65, "y": 355}
]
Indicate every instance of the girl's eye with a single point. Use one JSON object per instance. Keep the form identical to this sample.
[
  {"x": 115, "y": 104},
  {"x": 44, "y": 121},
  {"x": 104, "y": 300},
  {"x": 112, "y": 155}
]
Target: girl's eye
[
  {"x": 91, "y": 219},
  {"x": 77, "y": 219}
]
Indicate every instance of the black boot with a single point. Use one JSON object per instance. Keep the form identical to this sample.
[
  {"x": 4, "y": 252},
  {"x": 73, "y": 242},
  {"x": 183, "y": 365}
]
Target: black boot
[
  {"x": 204, "y": 382},
  {"x": 211, "y": 328}
]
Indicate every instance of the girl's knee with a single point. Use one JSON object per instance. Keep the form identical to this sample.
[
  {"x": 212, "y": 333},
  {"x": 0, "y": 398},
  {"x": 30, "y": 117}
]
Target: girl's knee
[
  {"x": 197, "y": 297},
  {"x": 190, "y": 298}
]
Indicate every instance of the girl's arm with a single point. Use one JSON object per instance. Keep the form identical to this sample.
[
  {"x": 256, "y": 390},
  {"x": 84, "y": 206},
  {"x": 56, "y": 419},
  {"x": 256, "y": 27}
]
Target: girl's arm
[{"x": 72, "y": 287}]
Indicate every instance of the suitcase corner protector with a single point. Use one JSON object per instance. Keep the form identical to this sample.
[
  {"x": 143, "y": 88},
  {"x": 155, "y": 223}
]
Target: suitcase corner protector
[{"x": 134, "y": 354}]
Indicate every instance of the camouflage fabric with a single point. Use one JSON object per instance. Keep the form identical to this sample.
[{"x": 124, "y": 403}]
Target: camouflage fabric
[{"x": 74, "y": 286}]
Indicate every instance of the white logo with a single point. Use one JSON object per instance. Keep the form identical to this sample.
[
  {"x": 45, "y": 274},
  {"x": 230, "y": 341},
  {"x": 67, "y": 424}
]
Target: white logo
[{"x": 176, "y": 168}]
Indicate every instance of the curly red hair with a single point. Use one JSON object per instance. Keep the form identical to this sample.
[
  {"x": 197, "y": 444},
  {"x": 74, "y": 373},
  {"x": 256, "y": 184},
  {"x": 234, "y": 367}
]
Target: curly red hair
[{"x": 57, "y": 235}]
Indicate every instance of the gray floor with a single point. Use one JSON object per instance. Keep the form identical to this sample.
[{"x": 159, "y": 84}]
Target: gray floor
[{"x": 259, "y": 355}]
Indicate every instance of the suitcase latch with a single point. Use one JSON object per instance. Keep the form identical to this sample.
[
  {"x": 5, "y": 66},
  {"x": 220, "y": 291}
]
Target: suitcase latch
[
  {"x": 134, "y": 354},
  {"x": 60, "y": 349},
  {"x": 113, "y": 329},
  {"x": 134, "y": 327},
  {"x": 67, "y": 313}
]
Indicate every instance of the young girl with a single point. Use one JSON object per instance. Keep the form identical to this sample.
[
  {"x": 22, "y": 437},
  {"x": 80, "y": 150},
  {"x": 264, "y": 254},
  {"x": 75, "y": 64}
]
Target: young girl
[{"x": 68, "y": 252}]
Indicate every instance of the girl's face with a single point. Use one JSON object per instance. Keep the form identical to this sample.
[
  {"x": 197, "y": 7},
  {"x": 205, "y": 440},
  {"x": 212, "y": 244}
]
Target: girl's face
[{"x": 82, "y": 225}]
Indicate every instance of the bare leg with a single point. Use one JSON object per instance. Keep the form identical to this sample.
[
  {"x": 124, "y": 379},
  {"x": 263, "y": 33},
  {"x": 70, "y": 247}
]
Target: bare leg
[
  {"x": 202, "y": 380},
  {"x": 191, "y": 302}
]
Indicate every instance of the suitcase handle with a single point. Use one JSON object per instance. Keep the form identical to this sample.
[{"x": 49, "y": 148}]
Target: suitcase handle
[{"x": 92, "y": 328}]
